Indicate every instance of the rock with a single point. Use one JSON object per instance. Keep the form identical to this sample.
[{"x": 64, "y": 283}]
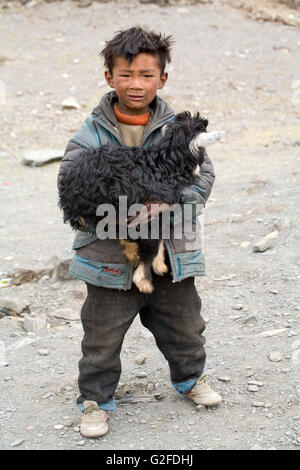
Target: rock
[
  {"x": 200, "y": 408},
  {"x": 224, "y": 379},
  {"x": 70, "y": 103},
  {"x": 255, "y": 382},
  {"x": 262, "y": 245},
  {"x": 258, "y": 404},
  {"x": 16, "y": 443},
  {"x": 272, "y": 235},
  {"x": 244, "y": 244},
  {"x": 68, "y": 314},
  {"x": 275, "y": 356},
  {"x": 140, "y": 359},
  {"x": 237, "y": 307},
  {"x": 33, "y": 324},
  {"x": 269, "y": 333},
  {"x": 62, "y": 270},
  {"x": 14, "y": 307},
  {"x": 43, "y": 352},
  {"x": 252, "y": 388},
  {"x": 58, "y": 427},
  {"x": 141, "y": 375},
  {"x": 35, "y": 158},
  {"x": 84, "y": 3}
]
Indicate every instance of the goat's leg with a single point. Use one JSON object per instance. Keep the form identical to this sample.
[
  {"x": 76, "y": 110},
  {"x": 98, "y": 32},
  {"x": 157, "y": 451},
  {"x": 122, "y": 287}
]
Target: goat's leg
[
  {"x": 139, "y": 254},
  {"x": 158, "y": 264},
  {"x": 142, "y": 278}
]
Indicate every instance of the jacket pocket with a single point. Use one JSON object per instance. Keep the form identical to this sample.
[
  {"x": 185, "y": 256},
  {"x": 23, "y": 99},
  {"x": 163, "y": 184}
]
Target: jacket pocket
[{"x": 110, "y": 275}]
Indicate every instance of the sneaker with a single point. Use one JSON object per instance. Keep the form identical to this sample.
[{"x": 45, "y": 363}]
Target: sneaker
[
  {"x": 203, "y": 394},
  {"x": 93, "y": 421}
]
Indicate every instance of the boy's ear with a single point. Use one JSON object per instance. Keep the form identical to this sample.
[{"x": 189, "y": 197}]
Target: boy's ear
[
  {"x": 109, "y": 79},
  {"x": 163, "y": 79}
]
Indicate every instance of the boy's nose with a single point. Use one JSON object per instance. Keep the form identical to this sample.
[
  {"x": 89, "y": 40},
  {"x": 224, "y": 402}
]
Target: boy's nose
[{"x": 136, "y": 84}]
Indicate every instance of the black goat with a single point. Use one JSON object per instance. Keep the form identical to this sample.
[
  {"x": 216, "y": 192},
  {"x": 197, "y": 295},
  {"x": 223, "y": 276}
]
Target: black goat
[{"x": 158, "y": 173}]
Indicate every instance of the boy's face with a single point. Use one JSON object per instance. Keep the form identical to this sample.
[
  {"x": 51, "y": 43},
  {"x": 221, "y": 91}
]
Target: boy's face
[{"x": 136, "y": 84}]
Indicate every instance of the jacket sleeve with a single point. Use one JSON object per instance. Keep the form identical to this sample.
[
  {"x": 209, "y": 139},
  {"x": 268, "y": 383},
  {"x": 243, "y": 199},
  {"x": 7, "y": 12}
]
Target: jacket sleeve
[
  {"x": 86, "y": 138},
  {"x": 199, "y": 193}
]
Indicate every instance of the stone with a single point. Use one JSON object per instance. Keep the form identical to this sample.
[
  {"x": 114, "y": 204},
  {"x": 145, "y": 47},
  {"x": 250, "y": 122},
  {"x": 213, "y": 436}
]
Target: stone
[
  {"x": 68, "y": 314},
  {"x": 36, "y": 158},
  {"x": 70, "y": 103},
  {"x": 262, "y": 245},
  {"x": 58, "y": 427},
  {"x": 141, "y": 359},
  {"x": 33, "y": 324},
  {"x": 17, "y": 442},
  {"x": 272, "y": 235},
  {"x": 255, "y": 382},
  {"x": 244, "y": 244},
  {"x": 252, "y": 388},
  {"x": 269, "y": 333},
  {"x": 62, "y": 270},
  {"x": 224, "y": 379},
  {"x": 141, "y": 375},
  {"x": 14, "y": 307},
  {"x": 43, "y": 352},
  {"x": 275, "y": 356}
]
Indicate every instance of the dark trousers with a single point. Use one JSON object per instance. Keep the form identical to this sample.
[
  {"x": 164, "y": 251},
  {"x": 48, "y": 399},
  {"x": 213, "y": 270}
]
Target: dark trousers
[{"x": 171, "y": 313}]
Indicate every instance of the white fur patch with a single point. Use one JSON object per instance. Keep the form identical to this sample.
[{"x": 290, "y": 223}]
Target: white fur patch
[{"x": 204, "y": 139}]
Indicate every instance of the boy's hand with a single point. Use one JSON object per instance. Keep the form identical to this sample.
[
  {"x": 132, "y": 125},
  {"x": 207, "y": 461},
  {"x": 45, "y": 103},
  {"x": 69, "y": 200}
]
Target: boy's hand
[{"x": 150, "y": 211}]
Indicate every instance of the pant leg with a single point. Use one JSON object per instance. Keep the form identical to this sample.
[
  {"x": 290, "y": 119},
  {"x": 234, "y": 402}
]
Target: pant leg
[
  {"x": 172, "y": 314},
  {"x": 106, "y": 316}
]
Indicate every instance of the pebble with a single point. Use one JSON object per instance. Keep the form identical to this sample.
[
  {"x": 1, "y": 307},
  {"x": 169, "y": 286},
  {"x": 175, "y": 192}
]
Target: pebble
[
  {"x": 258, "y": 404},
  {"x": 252, "y": 388},
  {"x": 16, "y": 443},
  {"x": 200, "y": 408},
  {"x": 262, "y": 245},
  {"x": 275, "y": 356},
  {"x": 58, "y": 427},
  {"x": 35, "y": 158},
  {"x": 141, "y": 359},
  {"x": 141, "y": 375},
  {"x": 224, "y": 379},
  {"x": 43, "y": 352},
  {"x": 70, "y": 103},
  {"x": 68, "y": 314},
  {"x": 255, "y": 382}
]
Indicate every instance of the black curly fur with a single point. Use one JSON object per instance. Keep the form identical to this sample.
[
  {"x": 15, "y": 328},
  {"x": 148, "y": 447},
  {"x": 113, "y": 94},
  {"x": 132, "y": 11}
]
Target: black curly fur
[{"x": 157, "y": 173}]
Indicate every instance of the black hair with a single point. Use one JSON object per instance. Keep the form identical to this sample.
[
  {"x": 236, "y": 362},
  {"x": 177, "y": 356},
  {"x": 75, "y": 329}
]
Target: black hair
[{"x": 131, "y": 42}]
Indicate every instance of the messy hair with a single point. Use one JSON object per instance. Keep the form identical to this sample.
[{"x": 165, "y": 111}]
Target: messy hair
[{"x": 131, "y": 42}]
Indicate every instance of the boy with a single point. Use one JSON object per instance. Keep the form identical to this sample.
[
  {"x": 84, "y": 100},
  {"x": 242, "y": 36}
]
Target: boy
[{"x": 134, "y": 115}]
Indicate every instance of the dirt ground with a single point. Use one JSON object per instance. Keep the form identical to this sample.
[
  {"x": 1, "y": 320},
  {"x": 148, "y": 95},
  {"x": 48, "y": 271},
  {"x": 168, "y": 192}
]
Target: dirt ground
[{"x": 244, "y": 76}]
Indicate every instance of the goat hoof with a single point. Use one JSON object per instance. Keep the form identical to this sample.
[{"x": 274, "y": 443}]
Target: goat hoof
[
  {"x": 145, "y": 286},
  {"x": 160, "y": 268}
]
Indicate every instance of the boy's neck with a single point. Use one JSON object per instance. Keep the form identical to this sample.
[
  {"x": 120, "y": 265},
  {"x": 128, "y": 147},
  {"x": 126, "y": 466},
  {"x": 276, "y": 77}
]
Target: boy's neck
[
  {"x": 133, "y": 119},
  {"x": 131, "y": 111}
]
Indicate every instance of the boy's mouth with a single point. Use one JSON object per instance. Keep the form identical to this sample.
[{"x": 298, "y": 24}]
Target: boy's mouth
[{"x": 135, "y": 97}]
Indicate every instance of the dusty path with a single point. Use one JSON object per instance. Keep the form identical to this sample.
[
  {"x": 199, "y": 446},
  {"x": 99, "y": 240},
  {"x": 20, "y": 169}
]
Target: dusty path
[{"x": 244, "y": 76}]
